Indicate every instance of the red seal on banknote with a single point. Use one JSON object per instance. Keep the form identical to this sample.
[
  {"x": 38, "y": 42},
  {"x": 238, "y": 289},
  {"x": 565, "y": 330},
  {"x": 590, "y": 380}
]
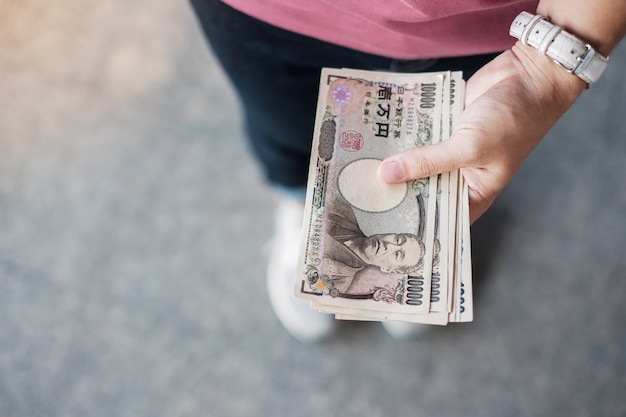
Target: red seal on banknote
[{"x": 351, "y": 141}]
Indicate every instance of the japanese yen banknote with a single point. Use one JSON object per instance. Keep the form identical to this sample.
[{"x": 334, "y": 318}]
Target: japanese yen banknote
[{"x": 371, "y": 250}]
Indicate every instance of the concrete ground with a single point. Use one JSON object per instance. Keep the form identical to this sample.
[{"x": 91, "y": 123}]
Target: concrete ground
[{"x": 132, "y": 222}]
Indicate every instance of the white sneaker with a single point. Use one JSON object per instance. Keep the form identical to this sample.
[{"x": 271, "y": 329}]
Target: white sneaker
[
  {"x": 401, "y": 330},
  {"x": 304, "y": 323}
]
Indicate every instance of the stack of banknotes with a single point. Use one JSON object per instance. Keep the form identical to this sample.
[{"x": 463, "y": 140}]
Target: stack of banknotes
[{"x": 376, "y": 251}]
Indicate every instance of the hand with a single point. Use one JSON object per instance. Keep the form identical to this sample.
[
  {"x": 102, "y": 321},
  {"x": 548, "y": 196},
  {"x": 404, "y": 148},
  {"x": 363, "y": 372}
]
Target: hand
[{"x": 510, "y": 105}]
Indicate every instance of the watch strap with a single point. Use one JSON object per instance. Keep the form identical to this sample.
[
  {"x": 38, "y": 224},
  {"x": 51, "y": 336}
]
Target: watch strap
[{"x": 565, "y": 49}]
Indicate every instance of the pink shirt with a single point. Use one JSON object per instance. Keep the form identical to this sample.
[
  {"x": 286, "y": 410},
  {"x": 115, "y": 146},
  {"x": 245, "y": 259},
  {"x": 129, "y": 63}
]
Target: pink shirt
[{"x": 404, "y": 29}]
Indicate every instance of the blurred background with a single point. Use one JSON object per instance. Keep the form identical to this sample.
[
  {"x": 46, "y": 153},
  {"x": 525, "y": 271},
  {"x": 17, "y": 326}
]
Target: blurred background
[{"x": 132, "y": 264}]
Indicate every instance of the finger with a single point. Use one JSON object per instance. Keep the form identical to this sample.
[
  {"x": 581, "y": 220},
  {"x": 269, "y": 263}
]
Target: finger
[
  {"x": 423, "y": 162},
  {"x": 483, "y": 188},
  {"x": 478, "y": 206}
]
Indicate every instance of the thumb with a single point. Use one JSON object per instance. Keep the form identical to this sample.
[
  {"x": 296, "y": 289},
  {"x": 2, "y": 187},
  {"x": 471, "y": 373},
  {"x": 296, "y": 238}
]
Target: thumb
[{"x": 417, "y": 163}]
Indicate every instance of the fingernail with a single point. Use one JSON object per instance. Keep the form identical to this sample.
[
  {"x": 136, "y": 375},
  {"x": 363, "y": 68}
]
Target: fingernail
[{"x": 391, "y": 171}]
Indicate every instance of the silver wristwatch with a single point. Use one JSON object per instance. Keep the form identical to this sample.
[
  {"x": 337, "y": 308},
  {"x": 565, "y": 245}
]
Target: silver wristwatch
[{"x": 566, "y": 50}]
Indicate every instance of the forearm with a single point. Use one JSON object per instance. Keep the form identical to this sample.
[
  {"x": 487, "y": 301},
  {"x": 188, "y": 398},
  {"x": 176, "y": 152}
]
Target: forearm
[{"x": 601, "y": 23}]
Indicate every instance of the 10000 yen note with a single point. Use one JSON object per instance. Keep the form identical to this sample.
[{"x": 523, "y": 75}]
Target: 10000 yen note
[
  {"x": 368, "y": 245},
  {"x": 451, "y": 286}
]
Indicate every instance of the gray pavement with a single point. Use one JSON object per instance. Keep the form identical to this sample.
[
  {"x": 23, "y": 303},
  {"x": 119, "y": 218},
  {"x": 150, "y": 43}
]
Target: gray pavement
[{"x": 132, "y": 227}]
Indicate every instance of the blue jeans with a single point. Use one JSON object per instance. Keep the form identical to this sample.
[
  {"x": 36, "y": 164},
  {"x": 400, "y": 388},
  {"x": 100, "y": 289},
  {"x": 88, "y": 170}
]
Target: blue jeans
[{"x": 276, "y": 74}]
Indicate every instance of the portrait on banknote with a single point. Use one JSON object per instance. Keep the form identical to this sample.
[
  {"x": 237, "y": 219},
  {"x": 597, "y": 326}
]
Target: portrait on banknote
[{"x": 348, "y": 250}]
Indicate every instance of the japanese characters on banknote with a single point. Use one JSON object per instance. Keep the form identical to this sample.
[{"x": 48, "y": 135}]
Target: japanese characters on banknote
[{"x": 371, "y": 250}]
